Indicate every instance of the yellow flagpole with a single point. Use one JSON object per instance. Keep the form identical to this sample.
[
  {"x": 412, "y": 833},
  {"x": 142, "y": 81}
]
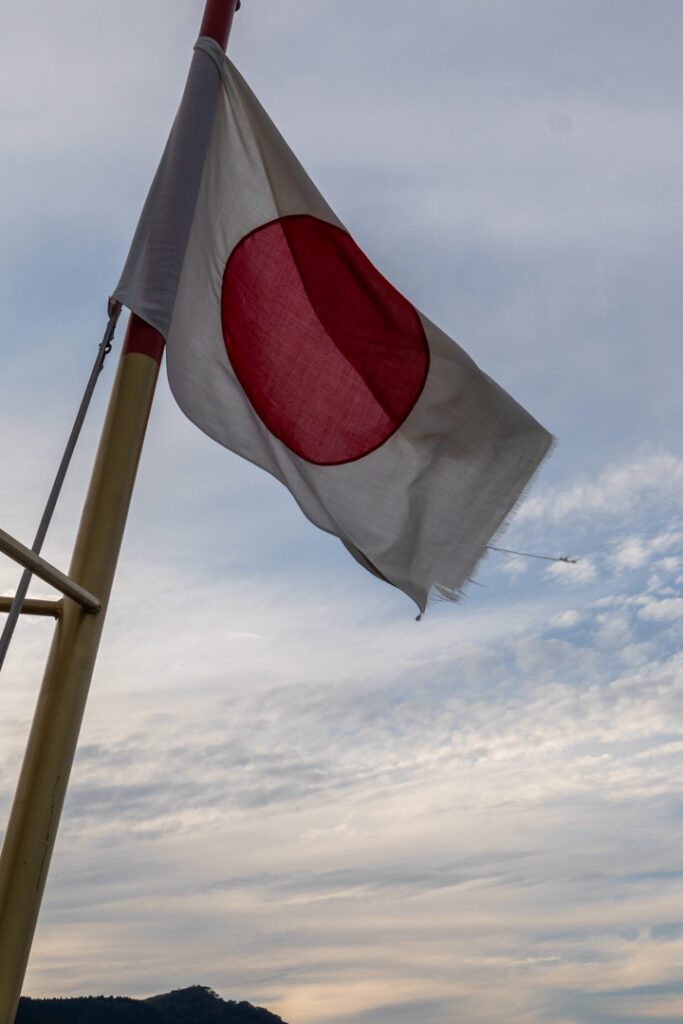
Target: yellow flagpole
[
  {"x": 32, "y": 827},
  {"x": 34, "y": 819}
]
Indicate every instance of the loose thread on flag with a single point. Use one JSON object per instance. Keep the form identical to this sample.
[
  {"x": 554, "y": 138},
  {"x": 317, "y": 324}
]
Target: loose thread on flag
[{"x": 529, "y": 554}]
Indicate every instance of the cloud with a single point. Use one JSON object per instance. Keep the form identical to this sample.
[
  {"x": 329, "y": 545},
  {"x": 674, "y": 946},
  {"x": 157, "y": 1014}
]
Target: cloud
[
  {"x": 583, "y": 571},
  {"x": 514, "y": 567},
  {"x": 621, "y": 491},
  {"x": 635, "y": 551},
  {"x": 614, "y": 631},
  {"x": 631, "y": 554},
  {"x": 567, "y": 619},
  {"x": 667, "y": 610}
]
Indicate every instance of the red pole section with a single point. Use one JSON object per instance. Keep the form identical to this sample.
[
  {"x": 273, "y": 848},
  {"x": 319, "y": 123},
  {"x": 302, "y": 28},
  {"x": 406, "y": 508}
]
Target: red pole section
[
  {"x": 217, "y": 21},
  {"x": 216, "y": 24},
  {"x": 143, "y": 339}
]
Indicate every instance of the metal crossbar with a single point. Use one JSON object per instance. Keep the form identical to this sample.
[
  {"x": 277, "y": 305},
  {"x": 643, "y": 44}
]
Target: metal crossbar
[
  {"x": 113, "y": 310},
  {"x": 39, "y": 567},
  {"x": 34, "y": 606}
]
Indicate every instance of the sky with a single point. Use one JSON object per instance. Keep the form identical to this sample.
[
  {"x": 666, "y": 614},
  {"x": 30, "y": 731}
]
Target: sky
[{"x": 286, "y": 787}]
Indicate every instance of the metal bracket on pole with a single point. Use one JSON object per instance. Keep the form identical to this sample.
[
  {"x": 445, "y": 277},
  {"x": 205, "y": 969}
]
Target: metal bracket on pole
[
  {"x": 39, "y": 567},
  {"x": 33, "y": 606}
]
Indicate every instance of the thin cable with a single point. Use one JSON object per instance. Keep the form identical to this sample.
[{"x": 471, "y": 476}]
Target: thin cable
[
  {"x": 113, "y": 309},
  {"x": 527, "y": 554}
]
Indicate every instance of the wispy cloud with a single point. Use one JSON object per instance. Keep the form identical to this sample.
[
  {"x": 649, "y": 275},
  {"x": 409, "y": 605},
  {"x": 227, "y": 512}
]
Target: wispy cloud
[
  {"x": 485, "y": 817},
  {"x": 620, "y": 493}
]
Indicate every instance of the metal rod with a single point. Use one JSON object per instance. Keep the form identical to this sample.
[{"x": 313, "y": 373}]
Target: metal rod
[
  {"x": 34, "y": 606},
  {"x": 38, "y": 802},
  {"x": 21, "y": 591},
  {"x": 39, "y": 567}
]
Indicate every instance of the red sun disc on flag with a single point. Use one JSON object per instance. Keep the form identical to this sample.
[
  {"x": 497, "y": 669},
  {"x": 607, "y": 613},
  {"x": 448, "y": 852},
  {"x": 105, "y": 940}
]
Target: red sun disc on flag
[{"x": 331, "y": 356}]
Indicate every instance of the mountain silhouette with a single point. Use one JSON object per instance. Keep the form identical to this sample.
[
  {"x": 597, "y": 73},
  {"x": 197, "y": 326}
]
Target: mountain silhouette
[{"x": 195, "y": 1005}]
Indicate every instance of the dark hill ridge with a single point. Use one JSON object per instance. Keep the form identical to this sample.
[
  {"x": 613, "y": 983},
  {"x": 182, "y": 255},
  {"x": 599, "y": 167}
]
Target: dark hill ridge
[{"x": 195, "y": 1005}]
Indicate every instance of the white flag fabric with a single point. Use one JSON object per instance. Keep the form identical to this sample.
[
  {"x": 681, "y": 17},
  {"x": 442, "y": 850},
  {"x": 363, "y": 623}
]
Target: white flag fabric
[{"x": 287, "y": 346}]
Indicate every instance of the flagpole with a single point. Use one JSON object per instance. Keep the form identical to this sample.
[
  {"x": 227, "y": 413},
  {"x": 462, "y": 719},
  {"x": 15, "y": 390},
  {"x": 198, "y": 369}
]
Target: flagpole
[{"x": 34, "y": 819}]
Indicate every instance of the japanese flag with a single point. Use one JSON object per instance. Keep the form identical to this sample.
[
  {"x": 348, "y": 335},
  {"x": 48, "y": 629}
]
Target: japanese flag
[{"x": 286, "y": 345}]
